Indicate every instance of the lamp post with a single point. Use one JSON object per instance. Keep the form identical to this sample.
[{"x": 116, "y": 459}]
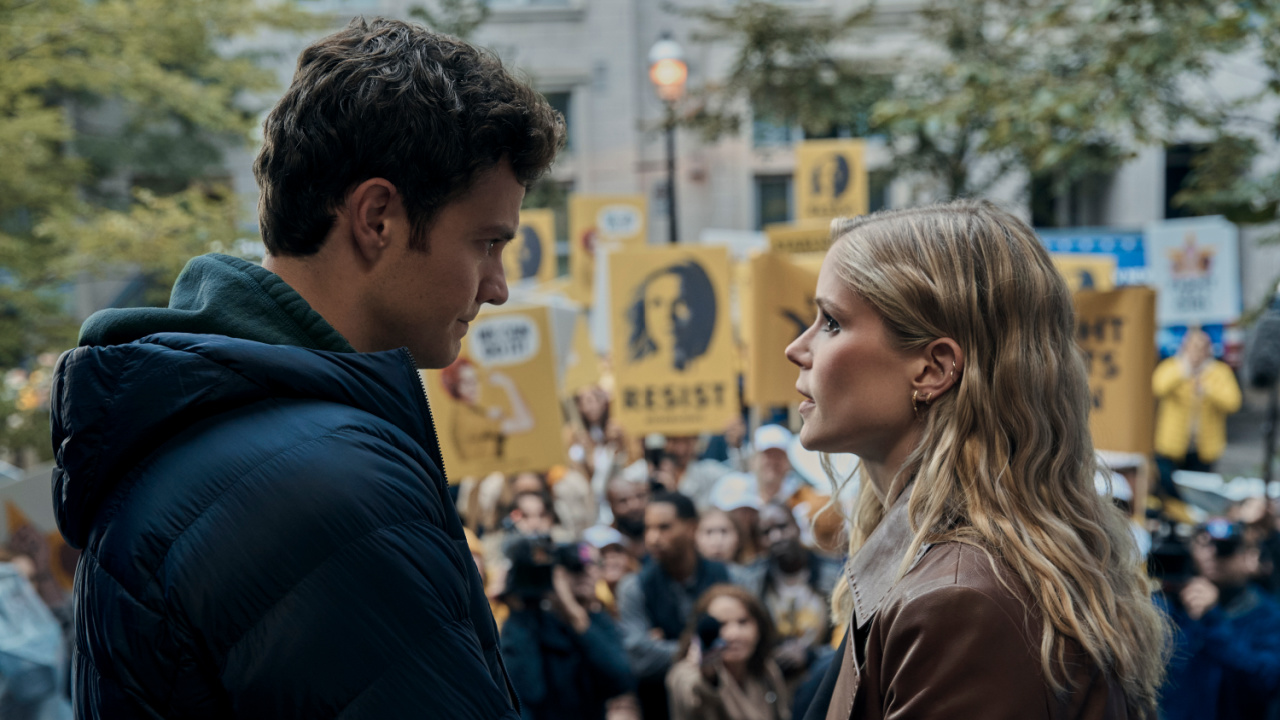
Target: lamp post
[{"x": 668, "y": 72}]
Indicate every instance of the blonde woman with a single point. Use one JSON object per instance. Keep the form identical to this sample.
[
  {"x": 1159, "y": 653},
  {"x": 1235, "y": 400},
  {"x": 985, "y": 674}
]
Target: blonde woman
[{"x": 987, "y": 579}]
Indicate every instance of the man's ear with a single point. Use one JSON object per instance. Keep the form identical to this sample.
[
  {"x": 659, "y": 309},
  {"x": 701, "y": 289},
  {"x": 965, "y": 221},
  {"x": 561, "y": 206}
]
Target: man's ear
[
  {"x": 940, "y": 371},
  {"x": 375, "y": 214}
]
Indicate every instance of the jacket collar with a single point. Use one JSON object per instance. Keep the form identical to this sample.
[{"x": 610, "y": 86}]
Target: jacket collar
[{"x": 873, "y": 570}]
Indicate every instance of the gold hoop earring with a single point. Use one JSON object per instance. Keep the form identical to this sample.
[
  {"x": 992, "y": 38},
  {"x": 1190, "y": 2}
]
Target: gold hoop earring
[{"x": 916, "y": 401}]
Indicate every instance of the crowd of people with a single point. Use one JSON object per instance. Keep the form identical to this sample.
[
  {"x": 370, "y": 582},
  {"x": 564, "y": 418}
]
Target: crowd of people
[{"x": 657, "y": 577}]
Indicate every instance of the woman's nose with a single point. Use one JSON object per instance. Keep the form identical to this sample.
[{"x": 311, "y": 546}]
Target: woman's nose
[{"x": 798, "y": 350}]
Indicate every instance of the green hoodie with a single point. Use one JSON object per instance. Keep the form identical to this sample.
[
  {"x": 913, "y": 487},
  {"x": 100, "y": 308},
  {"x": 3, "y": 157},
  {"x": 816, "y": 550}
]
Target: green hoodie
[{"x": 222, "y": 295}]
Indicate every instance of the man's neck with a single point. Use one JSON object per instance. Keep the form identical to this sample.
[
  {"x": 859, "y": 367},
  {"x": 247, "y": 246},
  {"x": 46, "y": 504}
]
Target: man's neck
[
  {"x": 790, "y": 565},
  {"x": 683, "y": 568},
  {"x": 329, "y": 291}
]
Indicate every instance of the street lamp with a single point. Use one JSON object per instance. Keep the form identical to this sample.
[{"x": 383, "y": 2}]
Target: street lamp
[{"x": 668, "y": 72}]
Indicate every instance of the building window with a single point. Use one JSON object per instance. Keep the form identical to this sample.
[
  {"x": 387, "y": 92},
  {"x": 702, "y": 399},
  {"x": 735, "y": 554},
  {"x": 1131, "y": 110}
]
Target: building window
[
  {"x": 773, "y": 200},
  {"x": 503, "y": 4},
  {"x": 767, "y": 134},
  {"x": 1178, "y": 162},
  {"x": 561, "y": 102}
]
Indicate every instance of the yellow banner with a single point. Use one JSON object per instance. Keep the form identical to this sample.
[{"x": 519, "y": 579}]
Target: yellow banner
[
  {"x": 1116, "y": 332},
  {"x": 532, "y": 254},
  {"x": 1086, "y": 271},
  {"x": 806, "y": 236},
  {"x": 495, "y": 408},
  {"x": 831, "y": 179},
  {"x": 673, "y": 351},
  {"x": 596, "y": 219},
  {"x": 775, "y": 319},
  {"x": 583, "y": 368}
]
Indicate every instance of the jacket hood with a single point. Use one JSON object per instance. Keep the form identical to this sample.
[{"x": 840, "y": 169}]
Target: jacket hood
[
  {"x": 222, "y": 295},
  {"x": 112, "y": 406}
]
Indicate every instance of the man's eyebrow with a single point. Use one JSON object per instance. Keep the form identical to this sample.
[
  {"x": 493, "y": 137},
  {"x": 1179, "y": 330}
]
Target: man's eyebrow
[{"x": 506, "y": 232}]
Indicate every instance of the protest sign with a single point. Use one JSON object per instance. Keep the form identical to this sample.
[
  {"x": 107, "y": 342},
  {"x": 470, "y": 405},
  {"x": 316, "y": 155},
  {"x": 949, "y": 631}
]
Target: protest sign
[
  {"x": 806, "y": 236},
  {"x": 496, "y": 408},
  {"x": 532, "y": 253},
  {"x": 1116, "y": 332},
  {"x": 774, "y": 319},
  {"x": 596, "y": 220},
  {"x": 1086, "y": 271},
  {"x": 1194, "y": 264},
  {"x": 831, "y": 179},
  {"x": 673, "y": 351},
  {"x": 583, "y": 367}
]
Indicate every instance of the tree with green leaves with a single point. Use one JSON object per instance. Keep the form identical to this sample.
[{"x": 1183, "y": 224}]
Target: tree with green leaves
[
  {"x": 787, "y": 70},
  {"x": 113, "y": 118},
  {"x": 1047, "y": 87}
]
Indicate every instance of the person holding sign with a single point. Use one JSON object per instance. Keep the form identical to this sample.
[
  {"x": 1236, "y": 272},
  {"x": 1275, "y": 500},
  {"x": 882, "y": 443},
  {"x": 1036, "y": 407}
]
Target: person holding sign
[
  {"x": 987, "y": 578},
  {"x": 1196, "y": 394}
]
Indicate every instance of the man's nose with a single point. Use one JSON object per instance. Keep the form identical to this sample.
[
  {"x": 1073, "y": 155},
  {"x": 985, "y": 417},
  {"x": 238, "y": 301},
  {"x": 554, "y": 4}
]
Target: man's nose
[{"x": 493, "y": 288}]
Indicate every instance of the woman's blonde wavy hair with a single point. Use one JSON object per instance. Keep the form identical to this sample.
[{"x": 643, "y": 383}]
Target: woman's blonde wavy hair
[{"x": 1005, "y": 461}]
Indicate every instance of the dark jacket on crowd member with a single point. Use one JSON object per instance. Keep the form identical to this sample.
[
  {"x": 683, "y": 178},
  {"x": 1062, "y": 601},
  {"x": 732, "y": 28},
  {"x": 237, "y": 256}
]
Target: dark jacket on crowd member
[
  {"x": 954, "y": 638},
  {"x": 266, "y": 525},
  {"x": 652, "y": 599},
  {"x": 559, "y": 673},
  {"x": 824, "y": 574},
  {"x": 1226, "y": 665}
]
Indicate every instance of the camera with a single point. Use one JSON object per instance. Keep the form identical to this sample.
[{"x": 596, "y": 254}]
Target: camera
[{"x": 532, "y": 561}]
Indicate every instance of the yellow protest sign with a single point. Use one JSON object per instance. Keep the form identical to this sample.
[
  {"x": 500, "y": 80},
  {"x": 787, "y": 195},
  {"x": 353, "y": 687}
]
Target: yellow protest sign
[
  {"x": 775, "y": 319},
  {"x": 831, "y": 179},
  {"x": 806, "y": 236},
  {"x": 495, "y": 408},
  {"x": 532, "y": 254},
  {"x": 1085, "y": 271},
  {"x": 597, "y": 219},
  {"x": 673, "y": 351},
  {"x": 583, "y": 368},
  {"x": 1116, "y": 332}
]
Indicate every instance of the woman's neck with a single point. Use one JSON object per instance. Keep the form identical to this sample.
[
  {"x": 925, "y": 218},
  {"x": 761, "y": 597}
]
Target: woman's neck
[
  {"x": 884, "y": 470},
  {"x": 737, "y": 670}
]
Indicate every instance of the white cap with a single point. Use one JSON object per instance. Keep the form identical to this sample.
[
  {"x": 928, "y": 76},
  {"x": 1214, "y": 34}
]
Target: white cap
[
  {"x": 1120, "y": 489},
  {"x": 735, "y": 490},
  {"x": 1121, "y": 460},
  {"x": 602, "y": 536},
  {"x": 771, "y": 437}
]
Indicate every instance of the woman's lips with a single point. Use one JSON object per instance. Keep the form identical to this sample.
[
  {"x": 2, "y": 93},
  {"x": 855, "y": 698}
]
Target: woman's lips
[{"x": 807, "y": 403}]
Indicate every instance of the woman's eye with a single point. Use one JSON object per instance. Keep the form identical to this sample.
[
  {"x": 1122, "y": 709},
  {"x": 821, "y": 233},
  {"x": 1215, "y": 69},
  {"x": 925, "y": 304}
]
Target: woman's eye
[{"x": 829, "y": 324}]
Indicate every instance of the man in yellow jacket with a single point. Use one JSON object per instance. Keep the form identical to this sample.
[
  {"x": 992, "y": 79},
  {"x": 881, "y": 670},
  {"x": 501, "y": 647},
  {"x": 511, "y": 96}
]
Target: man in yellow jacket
[{"x": 1196, "y": 393}]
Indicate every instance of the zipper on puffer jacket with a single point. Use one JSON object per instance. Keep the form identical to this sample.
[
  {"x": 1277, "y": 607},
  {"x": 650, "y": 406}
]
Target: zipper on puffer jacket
[{"x": 437, "y": 456}]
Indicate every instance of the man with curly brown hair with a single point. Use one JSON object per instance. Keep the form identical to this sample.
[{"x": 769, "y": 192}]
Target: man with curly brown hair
[{"x": 253, "y": 472}]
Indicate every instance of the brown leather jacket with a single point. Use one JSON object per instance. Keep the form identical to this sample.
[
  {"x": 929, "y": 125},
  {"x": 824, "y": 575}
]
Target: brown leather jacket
[{"x": 949, "y": 640}]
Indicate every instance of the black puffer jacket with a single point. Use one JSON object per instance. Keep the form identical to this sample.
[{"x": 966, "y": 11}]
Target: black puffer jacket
[{"x": 267, "y": 534}]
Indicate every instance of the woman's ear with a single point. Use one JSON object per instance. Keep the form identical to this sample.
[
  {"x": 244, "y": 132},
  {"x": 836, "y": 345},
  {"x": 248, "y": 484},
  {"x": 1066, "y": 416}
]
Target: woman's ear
[{"x": 941, "y": 370}]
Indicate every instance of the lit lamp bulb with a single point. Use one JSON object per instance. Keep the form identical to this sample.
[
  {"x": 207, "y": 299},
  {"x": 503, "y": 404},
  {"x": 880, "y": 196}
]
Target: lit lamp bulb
[{"x": 667, "y": 69}]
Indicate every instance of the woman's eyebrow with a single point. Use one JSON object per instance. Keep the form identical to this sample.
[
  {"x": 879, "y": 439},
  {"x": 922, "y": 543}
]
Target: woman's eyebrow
[{"x": 825, "y": 305}]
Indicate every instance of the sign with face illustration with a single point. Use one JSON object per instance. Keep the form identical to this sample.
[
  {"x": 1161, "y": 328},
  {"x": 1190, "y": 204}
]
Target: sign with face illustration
[
  {"x": 831, "y": 179},
  {"x": 673, "y": 352},
  {"x": 532, "y": 253},
  {"x": 496, "y": 407},
  {"x": 776, "y": 318},
  {"x": 599, "y": 219}
]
